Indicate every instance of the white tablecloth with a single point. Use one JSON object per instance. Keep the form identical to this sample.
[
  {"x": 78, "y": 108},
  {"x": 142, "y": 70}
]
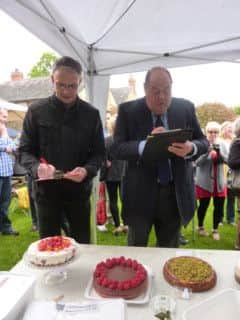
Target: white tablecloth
[{"x": 80, "y": 271}]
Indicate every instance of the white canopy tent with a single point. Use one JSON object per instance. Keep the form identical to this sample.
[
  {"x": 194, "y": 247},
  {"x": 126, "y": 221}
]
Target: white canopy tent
[
  {"x": 12, "y": 106},
  {"x": 118, "y": 36}
]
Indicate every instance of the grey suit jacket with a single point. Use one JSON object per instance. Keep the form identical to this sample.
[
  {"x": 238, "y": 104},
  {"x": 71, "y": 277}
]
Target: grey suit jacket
[{"x": 140, "y": 188}]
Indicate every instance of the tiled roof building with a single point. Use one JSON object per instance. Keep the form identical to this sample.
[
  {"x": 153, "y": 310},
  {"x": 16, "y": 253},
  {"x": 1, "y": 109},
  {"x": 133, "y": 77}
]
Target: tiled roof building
[{"x": 25, "y": 91}]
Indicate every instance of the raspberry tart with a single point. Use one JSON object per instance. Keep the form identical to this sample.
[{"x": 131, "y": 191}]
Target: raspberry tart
[
  {"x": 190, "y": 272},
  {"x": 51, "y": 251},
  {"x": 120, "y": 278}
]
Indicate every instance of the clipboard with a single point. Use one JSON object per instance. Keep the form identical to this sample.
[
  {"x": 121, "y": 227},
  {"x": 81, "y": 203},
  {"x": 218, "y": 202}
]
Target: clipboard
[
  {"x": 156, "y": 148},
  {"x": 58, "y": 175}
]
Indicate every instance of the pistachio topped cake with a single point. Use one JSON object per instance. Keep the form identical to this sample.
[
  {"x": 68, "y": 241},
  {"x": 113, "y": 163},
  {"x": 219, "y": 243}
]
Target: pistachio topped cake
[{"x": 190, "y": 272}]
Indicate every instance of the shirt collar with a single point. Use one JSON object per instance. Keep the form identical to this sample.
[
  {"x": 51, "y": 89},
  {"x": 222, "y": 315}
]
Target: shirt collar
[{"x": 60, "y": 104}]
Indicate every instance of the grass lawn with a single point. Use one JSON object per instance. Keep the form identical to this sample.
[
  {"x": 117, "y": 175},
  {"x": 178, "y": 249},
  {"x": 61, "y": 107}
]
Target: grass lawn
[{"x": 12, "y": 248}]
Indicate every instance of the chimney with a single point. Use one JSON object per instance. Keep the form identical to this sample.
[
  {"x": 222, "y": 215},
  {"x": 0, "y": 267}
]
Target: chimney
[
  {"x": 132, "y": 95},
  {"x": 132, "y": 84},
  {"x": 16, "y": 75}
]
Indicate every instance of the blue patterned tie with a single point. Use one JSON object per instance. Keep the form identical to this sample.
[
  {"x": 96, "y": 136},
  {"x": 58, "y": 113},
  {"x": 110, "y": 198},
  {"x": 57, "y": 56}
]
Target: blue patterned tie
[{"x": 164, "y": 172}]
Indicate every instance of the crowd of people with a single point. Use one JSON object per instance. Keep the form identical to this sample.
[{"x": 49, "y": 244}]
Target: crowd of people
[{"x": 62, "y": 147}]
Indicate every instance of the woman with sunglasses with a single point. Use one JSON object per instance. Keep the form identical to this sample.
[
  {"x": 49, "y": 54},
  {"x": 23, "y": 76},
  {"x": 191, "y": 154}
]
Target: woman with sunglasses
[{"x": 210, "y": 181}]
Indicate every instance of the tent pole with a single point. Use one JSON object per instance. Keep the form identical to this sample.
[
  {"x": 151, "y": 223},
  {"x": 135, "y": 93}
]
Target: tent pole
[{"x": 95, "y": 180}]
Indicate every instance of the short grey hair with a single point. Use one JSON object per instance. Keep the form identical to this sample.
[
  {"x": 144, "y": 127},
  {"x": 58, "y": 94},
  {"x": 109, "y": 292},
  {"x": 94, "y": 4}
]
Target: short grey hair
[
  {"x": 67, "y": 62},
  {"x": 236, "y": 127},
  {"x": 213, "y": 125},
  {"x": 149, "y": 73}
]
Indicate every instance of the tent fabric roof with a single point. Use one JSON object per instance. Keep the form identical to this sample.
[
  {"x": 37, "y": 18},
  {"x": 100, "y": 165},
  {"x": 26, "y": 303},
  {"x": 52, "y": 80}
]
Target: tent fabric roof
[
  {"x": 116, "y": 36},
  {"x": 12, "y": 106}
]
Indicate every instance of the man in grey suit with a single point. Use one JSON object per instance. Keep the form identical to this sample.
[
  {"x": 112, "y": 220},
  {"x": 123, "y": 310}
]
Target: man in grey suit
[{"x": 160, "y": 195}]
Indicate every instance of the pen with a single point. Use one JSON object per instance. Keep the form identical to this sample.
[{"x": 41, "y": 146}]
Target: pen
[
  {"x": 43, "y": 160},
  {"x": 57, "y": 174}
]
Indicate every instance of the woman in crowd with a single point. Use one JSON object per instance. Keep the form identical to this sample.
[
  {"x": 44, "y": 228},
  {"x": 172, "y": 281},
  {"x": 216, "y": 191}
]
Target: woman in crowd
[
  {"x": 210, "y": 181},
  {"x": 112, "y": 173},
  {"x": 227, "y": 135},
  {"x": 234, "y": 163}
]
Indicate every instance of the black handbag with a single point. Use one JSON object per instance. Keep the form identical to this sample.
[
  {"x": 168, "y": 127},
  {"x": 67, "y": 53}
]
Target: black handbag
[{"x": 233, "y": 180}]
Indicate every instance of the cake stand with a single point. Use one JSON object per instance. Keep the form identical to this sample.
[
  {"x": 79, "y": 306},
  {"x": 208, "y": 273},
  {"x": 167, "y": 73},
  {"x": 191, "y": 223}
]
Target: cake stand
[{"x": 54, "y": 275}]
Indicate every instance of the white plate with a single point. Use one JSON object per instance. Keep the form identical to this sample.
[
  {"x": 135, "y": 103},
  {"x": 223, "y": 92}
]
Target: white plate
[
  {"x": 90, "y": 293},
  {"x": 222, "y": 306}
]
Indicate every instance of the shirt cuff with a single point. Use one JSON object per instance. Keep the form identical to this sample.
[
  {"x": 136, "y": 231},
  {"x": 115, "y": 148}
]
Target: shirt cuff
[
  {"x": 194, "y": 152},
  {"x": 141, "y": 147}
]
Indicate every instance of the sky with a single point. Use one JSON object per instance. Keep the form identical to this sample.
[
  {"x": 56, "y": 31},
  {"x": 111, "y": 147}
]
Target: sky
[{"x": 218, "y": 82}]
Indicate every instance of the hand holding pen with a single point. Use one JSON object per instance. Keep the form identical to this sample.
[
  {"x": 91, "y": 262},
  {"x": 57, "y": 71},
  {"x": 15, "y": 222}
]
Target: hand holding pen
[{"x": 45, "y": 170}]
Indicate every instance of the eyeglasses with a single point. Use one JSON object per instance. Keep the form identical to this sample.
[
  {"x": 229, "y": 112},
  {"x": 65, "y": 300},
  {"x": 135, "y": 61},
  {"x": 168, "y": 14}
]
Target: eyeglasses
[
  {"x": 212, "y": 131},
  {"x": 61, "y": 86},
  {"x": 165, "y": 91}
]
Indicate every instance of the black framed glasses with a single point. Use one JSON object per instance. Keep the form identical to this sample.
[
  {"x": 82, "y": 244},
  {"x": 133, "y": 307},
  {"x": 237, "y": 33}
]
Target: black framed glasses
[{"x": 64, "y": 86}]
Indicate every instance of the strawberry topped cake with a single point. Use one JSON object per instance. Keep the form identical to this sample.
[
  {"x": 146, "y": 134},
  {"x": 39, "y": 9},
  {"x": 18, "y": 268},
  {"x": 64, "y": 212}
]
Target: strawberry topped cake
[
  {"x": 51, "y": 251},
  {"x": 121, "y": 278}
]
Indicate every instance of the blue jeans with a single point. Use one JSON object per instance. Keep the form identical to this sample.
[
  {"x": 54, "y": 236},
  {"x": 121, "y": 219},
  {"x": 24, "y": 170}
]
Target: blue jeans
[
  {"x": 5, "y": 198},
  {"x": 230, "y": 206}
]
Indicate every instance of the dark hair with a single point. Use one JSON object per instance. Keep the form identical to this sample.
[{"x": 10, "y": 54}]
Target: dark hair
[
  {"x": 148, "y": 75},
  {"x": 67, "y": 62}
]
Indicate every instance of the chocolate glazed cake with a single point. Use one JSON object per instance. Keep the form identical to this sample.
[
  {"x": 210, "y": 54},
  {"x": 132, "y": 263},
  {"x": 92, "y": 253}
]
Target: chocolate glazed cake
[{"x": 121, "y": 278}]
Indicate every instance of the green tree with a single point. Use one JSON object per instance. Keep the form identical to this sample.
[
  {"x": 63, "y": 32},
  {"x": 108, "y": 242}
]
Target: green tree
[
  {"x": 237, "y": 110},
  {"x": 214, "y": 112},
  {"x": 43, "y": 67}
]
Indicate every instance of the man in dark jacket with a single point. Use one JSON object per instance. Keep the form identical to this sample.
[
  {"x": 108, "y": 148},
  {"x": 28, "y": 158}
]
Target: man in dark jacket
[
  {"x": 63, "y": 133},
  {"x": 157, "y": 194}
]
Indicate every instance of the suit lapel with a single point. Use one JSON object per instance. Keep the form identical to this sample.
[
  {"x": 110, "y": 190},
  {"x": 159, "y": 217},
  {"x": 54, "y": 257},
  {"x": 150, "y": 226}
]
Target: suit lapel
[
  {"x": 174, "y": 121},
  {"x": 170, "y": 117},
  {"x": 144, "y": 119}
]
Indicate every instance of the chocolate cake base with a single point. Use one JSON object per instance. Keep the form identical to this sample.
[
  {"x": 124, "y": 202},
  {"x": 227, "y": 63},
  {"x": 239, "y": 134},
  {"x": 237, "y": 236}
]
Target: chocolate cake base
[{"x": 120, "y": 273}]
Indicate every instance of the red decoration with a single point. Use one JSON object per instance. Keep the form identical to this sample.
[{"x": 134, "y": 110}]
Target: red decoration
[
  {"x": 55, "y": 243},
  {"x": 101, "y": 210},
  {"x": 102, "y": 279}
]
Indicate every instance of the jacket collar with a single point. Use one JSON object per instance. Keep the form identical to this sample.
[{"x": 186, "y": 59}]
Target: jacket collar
[{"x": 59, "y": 104}]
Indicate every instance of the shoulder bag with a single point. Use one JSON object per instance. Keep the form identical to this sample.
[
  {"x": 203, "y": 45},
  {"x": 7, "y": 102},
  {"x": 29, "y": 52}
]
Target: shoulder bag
[{"x": 233, "y": 180}]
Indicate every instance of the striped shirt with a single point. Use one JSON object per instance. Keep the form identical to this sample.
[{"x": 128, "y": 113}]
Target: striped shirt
[{"x": 6, "y": 160}]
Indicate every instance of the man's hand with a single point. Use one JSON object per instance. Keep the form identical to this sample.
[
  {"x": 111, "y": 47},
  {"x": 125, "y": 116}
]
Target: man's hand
[
  {"x": 108, "y": 163},
  {"x": 77, "y": 175},
  {"x": 181, "y": 149},
  {"x": 158, "y": 130},
  {"x": 46, "y": 171},
  {"x": 9, "y": 150}
]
